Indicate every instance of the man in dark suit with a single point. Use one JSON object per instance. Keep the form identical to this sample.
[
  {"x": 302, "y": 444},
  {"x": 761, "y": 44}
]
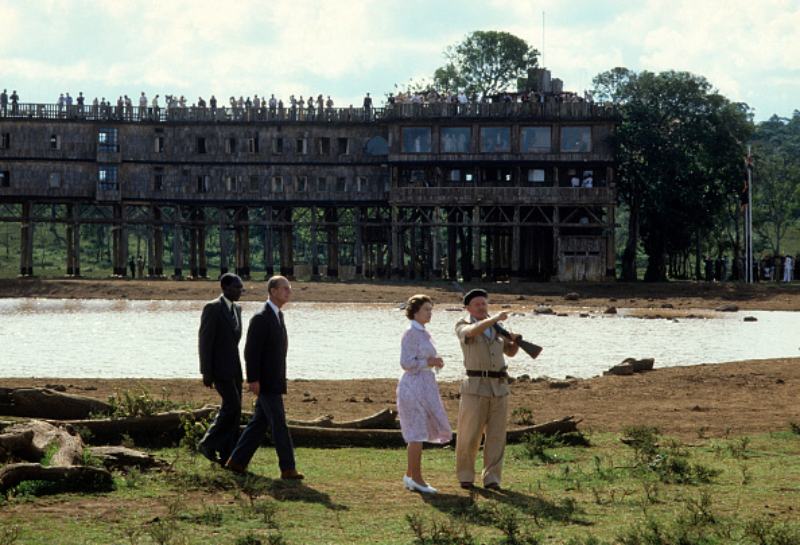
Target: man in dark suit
[
  {"x": 218, "y": 346},
  {"x": 265, "y": 360}
]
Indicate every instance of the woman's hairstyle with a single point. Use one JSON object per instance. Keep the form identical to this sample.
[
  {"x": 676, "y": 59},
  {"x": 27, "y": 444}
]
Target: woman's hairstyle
[{"x": 415, "y": 303}]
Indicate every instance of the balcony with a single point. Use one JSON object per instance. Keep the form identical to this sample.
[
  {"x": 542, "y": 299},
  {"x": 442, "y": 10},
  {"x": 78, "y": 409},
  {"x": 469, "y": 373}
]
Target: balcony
[{"x": 431, "y": 196}]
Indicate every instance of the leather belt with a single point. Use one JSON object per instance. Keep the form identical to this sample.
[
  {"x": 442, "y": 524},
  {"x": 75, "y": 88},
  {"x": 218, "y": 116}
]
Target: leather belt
[{"x": 487, "y": 374}]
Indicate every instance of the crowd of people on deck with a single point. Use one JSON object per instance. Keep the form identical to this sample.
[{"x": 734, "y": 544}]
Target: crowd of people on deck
[{"x": 262, "y": 107}]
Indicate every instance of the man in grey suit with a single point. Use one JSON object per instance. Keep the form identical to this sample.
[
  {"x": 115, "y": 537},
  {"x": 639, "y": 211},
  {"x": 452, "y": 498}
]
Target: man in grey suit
[{"x": 218, "y": 346}]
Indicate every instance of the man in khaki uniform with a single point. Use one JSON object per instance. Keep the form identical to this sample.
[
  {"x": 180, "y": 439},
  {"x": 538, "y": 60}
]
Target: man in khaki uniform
[{"x": 483, "y": 409}]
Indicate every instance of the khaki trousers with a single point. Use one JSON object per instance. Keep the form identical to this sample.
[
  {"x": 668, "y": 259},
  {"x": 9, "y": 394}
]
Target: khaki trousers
[{"x": 478, "y": 416}]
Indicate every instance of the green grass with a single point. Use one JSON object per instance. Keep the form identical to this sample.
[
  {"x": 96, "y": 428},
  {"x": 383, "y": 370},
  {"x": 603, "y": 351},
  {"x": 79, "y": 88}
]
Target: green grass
[{"x": 606, "y": 492}]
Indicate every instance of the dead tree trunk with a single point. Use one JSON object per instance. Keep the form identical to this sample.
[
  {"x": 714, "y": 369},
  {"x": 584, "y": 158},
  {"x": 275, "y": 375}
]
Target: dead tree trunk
[{"x": 49, "y": 404}]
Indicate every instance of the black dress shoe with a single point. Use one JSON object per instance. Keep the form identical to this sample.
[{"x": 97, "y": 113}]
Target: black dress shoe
[
  {"x": 493, "y": 486},
  {"x": 236, "y": 468},
  {"x": 209, "y": 453},
  {"x": 466, "y": 485}
]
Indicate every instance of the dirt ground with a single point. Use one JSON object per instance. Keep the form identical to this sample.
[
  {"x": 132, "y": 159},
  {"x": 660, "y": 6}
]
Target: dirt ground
[
  {"x": 711, "y": 400},
  {"x": 699, "y": 295},
  {"x": 737, "y": 397}
]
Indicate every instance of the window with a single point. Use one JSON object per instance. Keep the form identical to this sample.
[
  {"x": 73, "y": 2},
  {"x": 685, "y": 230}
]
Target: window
[
  {"x": 277, "y": 144},
  {"x": 277, "y": 184},
  {"x": 416, "y": 140},
  {"x": 5, "y": 178},
  {"x": 497, "y": 175},
  {"x": 55, "y": 142},
  {"x": 158, "y": 179},
  {"x": 454, "y": 175},
  {"x": 576, "y": 139},
  {"x": 341, "y": 184},
  {"x": 322, "y": 183},
  {"x": 456, "y": 139},
  {"x": 495, "y": 139},
  {"x": 107, "y": 140},
  {"x": 536, "y": 175},
  {"x": 107, "y": 178},
  {"x": 342, "y": 146},
  {"x": 361, "y": 183},
  {"x": 324, "y": 146},
  {"x": 201, "y": 145},
  {"x": 377, "y": 145},
  {"x": 5, "y": 140},
  {"x": 301, "y": 145},
  {"x": 301, "y": 184},
  {"x": 252, "y": 144},
  {"x": 203, "y": 183},
  {"x": 229, "y": 182},
  {"x": 254, "y": 183},
  {"x": 159, "y": 144},
  {"x": 230, "y": 145},
  {"x": 468, "y": 177},
  {"x": 54, "y": 181},
  {"x": 535, "y": 140}
]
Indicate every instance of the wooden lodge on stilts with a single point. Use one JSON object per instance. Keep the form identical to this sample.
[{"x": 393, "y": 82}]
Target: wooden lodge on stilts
[{"x": 507, "y": 190}]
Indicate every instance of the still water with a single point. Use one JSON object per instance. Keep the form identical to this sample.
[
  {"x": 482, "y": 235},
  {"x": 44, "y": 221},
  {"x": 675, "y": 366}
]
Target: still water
[{"x": 158, "y": 339}]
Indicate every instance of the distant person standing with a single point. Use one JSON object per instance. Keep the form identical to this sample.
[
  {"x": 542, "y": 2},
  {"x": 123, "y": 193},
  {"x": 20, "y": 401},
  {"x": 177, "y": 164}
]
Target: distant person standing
[
  {"x": 265, "y": 359},
  {"x": 367, "y": 106},
  {"x": 788, "y": 269},
  {"x": 4, "y": 101},
  {"x": 132, "y": 267},
  {"x": 218, "y": 348},
  {"x": 14, "y": 102},
  {"x": 140, "y": 267},
  {"x": 422, "y": 415}
]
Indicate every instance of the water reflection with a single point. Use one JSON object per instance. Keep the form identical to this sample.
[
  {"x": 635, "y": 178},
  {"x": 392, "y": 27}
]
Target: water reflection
[{"x": 119, "y": 338}]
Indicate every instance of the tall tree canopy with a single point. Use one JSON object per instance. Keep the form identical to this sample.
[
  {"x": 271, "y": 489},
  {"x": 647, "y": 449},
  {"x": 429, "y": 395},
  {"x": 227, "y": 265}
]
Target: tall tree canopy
[
  {"x": 485, "y": 62},
  {"x": 776, "y": 185},
  {"x": 679, "y": 147}
]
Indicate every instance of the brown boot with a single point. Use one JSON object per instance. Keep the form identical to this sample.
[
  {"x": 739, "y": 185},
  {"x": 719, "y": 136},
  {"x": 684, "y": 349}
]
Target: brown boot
[
  {"x": 236, "y": 468},
  {"x": 292, "y": 475}
]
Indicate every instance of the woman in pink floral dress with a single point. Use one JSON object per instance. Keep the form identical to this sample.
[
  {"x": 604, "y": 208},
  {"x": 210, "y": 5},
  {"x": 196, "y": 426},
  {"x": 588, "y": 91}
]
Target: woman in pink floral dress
[{"x": 422, "y": 415}]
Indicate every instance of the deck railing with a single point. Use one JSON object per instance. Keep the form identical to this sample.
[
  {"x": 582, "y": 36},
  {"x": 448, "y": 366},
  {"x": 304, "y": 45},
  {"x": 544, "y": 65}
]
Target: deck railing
[{"x": 550, "y": 110}]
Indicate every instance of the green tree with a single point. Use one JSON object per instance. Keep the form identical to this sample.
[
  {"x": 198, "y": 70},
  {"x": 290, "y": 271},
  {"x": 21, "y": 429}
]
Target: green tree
[
  {"x": 677, "y": 143},
  {"x": 776, "y": 183},
  {"x": 486, "y": 62}
]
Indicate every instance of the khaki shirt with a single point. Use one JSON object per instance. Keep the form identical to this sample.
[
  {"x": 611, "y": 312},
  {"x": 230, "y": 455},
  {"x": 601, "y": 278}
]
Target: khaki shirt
[{"x": 482, "y": 353}]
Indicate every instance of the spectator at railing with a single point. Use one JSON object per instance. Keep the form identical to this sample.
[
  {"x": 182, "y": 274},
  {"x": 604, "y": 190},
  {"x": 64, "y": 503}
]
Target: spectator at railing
[
  {"x": 4, "y": 101},
  {"x": 80, "y": 101},
  {"x": 14, "y": 102}
]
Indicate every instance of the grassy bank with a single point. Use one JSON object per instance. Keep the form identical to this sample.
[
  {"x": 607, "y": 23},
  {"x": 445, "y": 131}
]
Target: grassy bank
[{"x": 654, "y": 491}]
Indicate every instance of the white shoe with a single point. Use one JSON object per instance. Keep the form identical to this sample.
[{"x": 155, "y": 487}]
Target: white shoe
[{"x": 412, "y": 485}]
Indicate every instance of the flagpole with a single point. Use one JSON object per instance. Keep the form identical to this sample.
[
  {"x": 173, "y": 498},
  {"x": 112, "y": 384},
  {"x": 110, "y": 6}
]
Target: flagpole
[{"x": 750, "y": 214}]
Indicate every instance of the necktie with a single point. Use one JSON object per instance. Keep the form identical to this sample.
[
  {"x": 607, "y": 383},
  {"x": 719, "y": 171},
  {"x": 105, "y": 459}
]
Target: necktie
[
  {"x": 233, "y": 315},
  {"x": 280, "y": 318}
]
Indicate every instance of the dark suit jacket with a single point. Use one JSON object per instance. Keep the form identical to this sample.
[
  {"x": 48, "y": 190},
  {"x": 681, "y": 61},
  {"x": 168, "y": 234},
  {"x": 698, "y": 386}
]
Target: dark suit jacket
[
  {"x": 218, "y": 342},
  {"x": 265, "y": 352}
]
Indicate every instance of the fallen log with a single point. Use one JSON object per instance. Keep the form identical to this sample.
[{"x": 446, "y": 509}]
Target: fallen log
[
  {"x": 115, "y": 457},
  {"x": 50, "y": 404},
  {"x": 34, "y": 440},
  {"x": 166, "y": 428},
  {"x": 70, "y": 477},
  {"x": 381, "y": 420},
  {"x": 338, "y": 437},
  {"x": 31, "y": 440},
  {"x": 157, "y": 429}
]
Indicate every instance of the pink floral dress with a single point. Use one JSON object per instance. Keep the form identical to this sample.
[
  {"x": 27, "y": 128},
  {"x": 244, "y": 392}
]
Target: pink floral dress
[{"x": 422, "y": 415}]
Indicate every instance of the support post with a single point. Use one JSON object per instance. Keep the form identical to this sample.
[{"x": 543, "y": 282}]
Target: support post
[
  {"x": 314, "y": 243},
  {"x": 332, "y": 227},
  {"x": 476, "y": 241},
  {"x": 515, "y": 246}
]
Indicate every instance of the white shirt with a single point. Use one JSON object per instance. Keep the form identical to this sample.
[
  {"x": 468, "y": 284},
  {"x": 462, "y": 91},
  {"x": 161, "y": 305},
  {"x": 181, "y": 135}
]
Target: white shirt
[
  {"x": 229, "y": 304},
  {"x": 275, "y": 309},
  {"x": 416, "y": 325}
]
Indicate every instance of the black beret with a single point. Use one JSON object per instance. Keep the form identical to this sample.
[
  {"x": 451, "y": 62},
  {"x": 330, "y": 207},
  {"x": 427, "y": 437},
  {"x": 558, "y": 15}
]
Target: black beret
[{"x": 472, "y": 294}]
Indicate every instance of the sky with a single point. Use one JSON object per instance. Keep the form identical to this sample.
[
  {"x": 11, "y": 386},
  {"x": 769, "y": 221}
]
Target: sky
[{"x": 748, "y": 49}]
